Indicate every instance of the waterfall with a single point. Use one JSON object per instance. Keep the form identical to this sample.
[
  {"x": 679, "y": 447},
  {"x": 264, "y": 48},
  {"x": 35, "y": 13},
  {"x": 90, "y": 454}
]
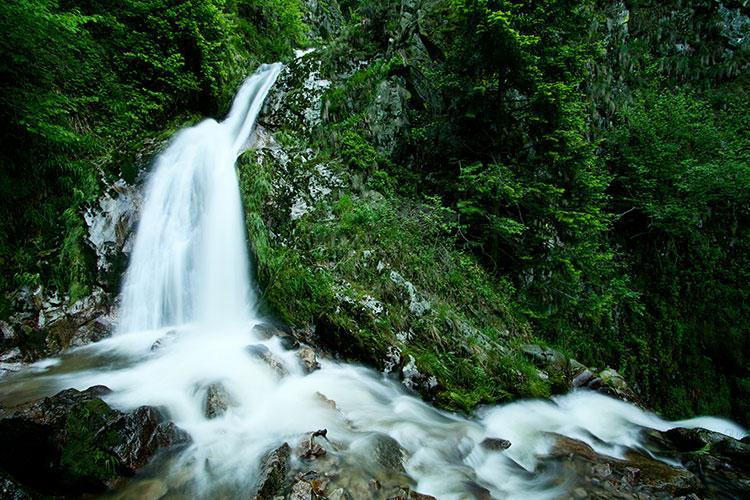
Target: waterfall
[
  {"x": 189, "y": 262},
  {"x": 186, "y": 327}
]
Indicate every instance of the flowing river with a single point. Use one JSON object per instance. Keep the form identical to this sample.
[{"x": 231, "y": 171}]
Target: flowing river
[{"x": 187, "y": 321}]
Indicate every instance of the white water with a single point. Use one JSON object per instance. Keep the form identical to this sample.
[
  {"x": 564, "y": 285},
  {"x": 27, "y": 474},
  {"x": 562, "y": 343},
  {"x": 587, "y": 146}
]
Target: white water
[{"x": 188, "y": 286}]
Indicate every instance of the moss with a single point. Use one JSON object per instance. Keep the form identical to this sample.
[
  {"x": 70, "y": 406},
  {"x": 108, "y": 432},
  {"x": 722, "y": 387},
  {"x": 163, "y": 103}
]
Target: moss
[
  {"x": 87, "y": 451},
  {"x": 332, "y": 266}
]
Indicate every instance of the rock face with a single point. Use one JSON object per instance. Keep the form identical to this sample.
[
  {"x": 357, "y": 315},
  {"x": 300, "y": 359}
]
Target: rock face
[
  {"x": 73, "y": 443},
  {"x": 111, "y": 223},
  {"x": 587, "y": 474},
  {"x": 712, "y": 466},
  {"x": 44, "y": 324}
]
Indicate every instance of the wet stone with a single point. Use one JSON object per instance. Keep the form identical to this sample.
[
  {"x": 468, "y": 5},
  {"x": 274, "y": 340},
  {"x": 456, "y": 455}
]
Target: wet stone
[
  {"x": 274, "y": 469},
  {"x": 218, "y": 400},
  {"x": 309, "y": 359},
  {"x": 263, "y": 353},
  {"x": 495, "y": 444}
]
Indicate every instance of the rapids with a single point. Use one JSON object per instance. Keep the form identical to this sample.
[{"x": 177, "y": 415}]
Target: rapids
[{"x": 187, "y": 290}]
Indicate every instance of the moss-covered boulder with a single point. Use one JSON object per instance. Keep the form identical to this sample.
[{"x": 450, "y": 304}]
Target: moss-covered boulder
[{"x": 73, "y": 443}]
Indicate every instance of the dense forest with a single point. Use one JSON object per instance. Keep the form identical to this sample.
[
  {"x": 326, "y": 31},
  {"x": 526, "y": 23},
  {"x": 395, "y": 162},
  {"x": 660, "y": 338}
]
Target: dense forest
[{"x": 591, "y": 158}]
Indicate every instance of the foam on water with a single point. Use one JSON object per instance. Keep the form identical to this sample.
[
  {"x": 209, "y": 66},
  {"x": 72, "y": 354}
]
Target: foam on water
[{"x": 188, "y": 290}]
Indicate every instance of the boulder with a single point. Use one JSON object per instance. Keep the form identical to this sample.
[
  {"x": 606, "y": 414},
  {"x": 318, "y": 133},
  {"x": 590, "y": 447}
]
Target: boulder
[
  {"x": 309, "y": 359},
  {"x": 274, "y": 469},
  {"x": 722, "y": 463},
  {"x": 263, "y": 353},
  {"x": 575, "y": 464},
  {"x": 495, "y": 444},
  {"x": 218, "y": 400},
  {"x": 73, "y": 443}
]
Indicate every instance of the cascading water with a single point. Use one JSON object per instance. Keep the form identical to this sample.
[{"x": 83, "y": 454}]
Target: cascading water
[{"x": 186, "y": 324}]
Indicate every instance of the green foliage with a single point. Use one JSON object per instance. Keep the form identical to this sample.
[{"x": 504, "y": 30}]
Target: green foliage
[
  {"x": 84, "y": 82},
  {"x": 682, "y": 185}
]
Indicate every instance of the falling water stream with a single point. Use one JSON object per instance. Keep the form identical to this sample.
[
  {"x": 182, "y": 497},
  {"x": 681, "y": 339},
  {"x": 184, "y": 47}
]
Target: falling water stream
[{"x": 187, "y": 291}]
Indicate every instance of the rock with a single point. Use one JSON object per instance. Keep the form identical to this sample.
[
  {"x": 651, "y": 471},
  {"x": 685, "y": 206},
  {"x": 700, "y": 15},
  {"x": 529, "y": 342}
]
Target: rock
[
  {"x": 301, "y": 490},
  {"x": 545, "y": 357},
  {"x": 73, "y": 443},
  {"x": 323, "y": 17},
  {"x": 309, "y": 359},
  {"x": 582, "y": 378},
  {"x": 388, "y": 453},
  {"x": 415, "y": 380},
  {"x": 111, "y": 225},
  {"x": 578, "y": 466},
  {"x": 310, "y": 450},
  {"x": 722, "y": 463},
  {"x": 274, "y": 469},
  {"x": 495, "y": 444},
  {"x": 418, "y": 305},
  {"x": 264, "y": 354},
  {"x": 218, "y": 400},
  {"x": 164, "y": 340}
]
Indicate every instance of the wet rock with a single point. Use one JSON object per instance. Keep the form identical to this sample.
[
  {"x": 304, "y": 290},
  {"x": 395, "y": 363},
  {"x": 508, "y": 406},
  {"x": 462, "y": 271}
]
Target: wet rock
[
  {"x": 301, "y": 490},
  {"x": 111, "y": 225},
  {"x": 218, "y": 400},
  {"x": 578, "y": 466},
  {"x": 263, "y": 353},
  {"x": 388, "y": 452},
  {"x": 73, "y": 443},
  {"x": 274, "y": 469},
  {"x": 164, "y": 340},
  {"x": 545, "y": 357},
  {"x": 309, "y": 359},
  {"x": 309, "y": 449},
  {"x": 582, "y": 378},
  {"x": 721, "y": 462},
  {"x": 495, "y": 444}
]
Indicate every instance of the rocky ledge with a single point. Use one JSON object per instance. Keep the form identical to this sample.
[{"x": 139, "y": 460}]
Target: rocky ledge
[{"x": 74, "y": 444}]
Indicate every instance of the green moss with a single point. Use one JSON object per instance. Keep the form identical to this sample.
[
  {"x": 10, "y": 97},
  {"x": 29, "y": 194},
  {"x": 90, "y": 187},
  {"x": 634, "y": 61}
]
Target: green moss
[
  {"x": 86, "y": 450},
  {"x": 324, "y": 268}
]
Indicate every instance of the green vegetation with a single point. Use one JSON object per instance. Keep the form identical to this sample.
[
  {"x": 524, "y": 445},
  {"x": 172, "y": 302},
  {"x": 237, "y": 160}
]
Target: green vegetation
[
  {"x": 84, "y": 84},
  {"x": 86, "y": 450},
  {"x": 571, "y": 172}
]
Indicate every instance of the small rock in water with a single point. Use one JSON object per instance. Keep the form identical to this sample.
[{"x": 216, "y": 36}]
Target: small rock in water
[
  {"x": 309, "y": 449},
  {"x": 218, "y": 400},
  {"x": 164, "y": 340},
  {"x": 273, "y": 472},
  {"x": 309, "y": 359},
  {"x": 302, "y": 490},
  {"x": 495, "y": 444},
  {"x": 264, "y": 354}
]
